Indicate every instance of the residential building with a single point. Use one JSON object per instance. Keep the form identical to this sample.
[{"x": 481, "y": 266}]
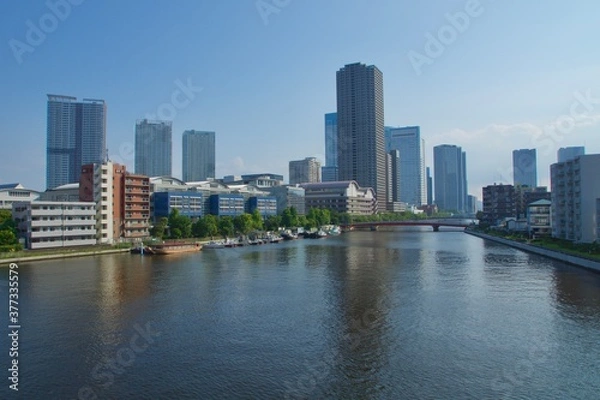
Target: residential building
[
  {"x": 524, "y": 195},
  {"x": 305, "y": 171},
  {"x": 49, "y": 224},
  {"x": 153, "y": 148},
  {"x": 569, "y": 153},
  {"x": 525, "y": 167},
  {"x": 576, "y": 199},
  {"x": 188, "y": 203},
  {"x": 360, "y": 117},
  {"x": 136, "y": 207},
  {"x": 498, "y": 204},
  {"x": 539, "y": 218},
  {"x": 413, "y": 181},
  {"x": 393, "y": 178},
  {"x": 471, "y": 205},
  {"x": 342, "y": 196},
  {"x": 76, "y": 135},
  {"x": 266, "y": 206},
  {"x": 15, "y": 192},
  {"x": 289, "y": 196},
  {"x": 450, "y": 173},
  {"x": 330, "y": 170},
  {"x": 198, "y": 155}
]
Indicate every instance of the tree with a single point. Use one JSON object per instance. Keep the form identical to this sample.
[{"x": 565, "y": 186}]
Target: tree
[
  {"x": 158, "y": 230},
  {"x": 289, "y": 218},
  {"x": 180, "y": 225},
  {"x": 7, "y": 237},
  {"x": 205, "y": 226},
  {"x": 257, "y": 220},
  {"x": 226, "y": 227},
  {"x": 243, "y": 223},
  {"x": 272, "y": 223}
]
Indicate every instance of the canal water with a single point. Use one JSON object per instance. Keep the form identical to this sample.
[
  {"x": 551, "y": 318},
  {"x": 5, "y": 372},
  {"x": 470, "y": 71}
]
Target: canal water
[{"x": 408, "y": 314}]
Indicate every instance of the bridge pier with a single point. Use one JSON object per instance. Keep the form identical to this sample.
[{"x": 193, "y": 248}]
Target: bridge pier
[{"x": 436, "y": 228}]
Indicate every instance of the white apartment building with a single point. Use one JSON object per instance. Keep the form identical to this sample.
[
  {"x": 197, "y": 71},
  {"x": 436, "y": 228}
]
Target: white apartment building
[
  {"x": 576, "y": 199},
  {"x": 50, "y": 224}
]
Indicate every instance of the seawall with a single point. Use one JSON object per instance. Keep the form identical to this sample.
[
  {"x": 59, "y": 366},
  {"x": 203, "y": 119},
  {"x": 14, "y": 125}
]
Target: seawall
[
  {"x": 556, "y": 255},
  {"x": 4, "y": 262}
]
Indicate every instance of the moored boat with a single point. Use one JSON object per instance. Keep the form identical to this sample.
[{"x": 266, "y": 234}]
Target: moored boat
[{"x": 174, "y": 248}]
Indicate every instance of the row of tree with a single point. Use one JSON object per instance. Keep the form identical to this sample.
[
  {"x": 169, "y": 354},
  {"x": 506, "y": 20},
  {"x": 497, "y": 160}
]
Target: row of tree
[{"x": 8, "y": 233}]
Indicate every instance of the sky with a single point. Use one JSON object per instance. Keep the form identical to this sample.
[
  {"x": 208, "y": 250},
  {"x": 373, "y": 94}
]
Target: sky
[{"x": 490, "y": 76}]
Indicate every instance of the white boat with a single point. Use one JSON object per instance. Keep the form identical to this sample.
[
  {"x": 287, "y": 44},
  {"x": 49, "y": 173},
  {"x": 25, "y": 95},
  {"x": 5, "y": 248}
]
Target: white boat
[{"x": 214, "y": 245}]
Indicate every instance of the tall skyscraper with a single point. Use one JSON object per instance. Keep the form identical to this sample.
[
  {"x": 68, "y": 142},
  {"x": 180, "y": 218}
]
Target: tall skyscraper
[
  {"x": 413, "y": 182},
  {"x": 450, "y": 177},
  {"x": 153, "y": 148},
  {"x": 76, "y": 135},
  {"x": 393, "y": 174},
  {"x": 525, "y": 167},
  {"x": 330, "y": 170},
  {"x": 361, "y": 142},
  {"x": 569, "y": 153},
  {"x": 305, "y": 171},
  {"x": 429, "y": 187},
  {"x": 198, "y": 155}
]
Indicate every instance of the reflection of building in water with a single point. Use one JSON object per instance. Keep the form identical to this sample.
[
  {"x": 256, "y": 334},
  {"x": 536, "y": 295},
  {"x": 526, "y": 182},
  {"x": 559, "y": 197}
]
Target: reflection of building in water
[{"x": 576, "y": 290}]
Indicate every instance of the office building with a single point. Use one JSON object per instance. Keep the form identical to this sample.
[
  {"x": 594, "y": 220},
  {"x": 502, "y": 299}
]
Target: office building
[
  {"x": 429, "y": 187},
  {"x": 413, "y": 181},
  {"x": 49, "y": 224},
  {"x": 14, "y": 193},
  {"x": 569, "y": 153},
  {"x": 361, "y": 147},
  {"x": 198, "y": 156},
  {"x": 393, "y": 175},
  {"x": 450, "y": 178},
  {"x": 343, "y": 197},
  {"x": 330, "y": 170},
  {"x": 289, "y": 196},
  {"x": 76, "y": 135},
  {"x": 576, "y": 199},
  {"x": 525, "y": 167},
  {"x": 305, "y": 171},
  {"x": 188, "y": 203},
  {"x": 153, "y": 148}
]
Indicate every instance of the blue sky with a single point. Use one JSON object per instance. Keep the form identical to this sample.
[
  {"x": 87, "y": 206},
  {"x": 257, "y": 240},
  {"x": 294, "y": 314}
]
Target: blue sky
[{"x": 518, "y": 74}]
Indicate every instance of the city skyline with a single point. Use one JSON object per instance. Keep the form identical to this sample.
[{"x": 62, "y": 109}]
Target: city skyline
[
  {"x": 198, "y": 155},
  {"x": 480, "y": 104}
]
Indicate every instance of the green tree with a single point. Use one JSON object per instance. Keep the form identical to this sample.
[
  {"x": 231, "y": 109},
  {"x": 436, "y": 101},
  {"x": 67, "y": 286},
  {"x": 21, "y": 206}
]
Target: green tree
[
  {"x": 272, "y": 223},
  {"x": 243, "y": 223},
  {"x": 226, "y": 227},
  {"x": 257, "y": 220},
  {"x": 289, "y": 218},
  {"x": 180, "y": 225},
  {"x": 159, "y": 229},
  {"x": 7, "y": 237}
]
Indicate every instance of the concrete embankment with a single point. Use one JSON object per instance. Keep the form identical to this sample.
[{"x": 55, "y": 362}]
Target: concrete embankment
[
  {"x": 4, "y": 262},
  {"x": 557, "y": 255}
]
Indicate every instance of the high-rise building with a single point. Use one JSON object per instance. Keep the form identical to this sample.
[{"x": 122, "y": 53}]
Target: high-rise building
[
  {"x": 153, "y": 148},
  {"x": 450, "y": 178},
  {"x": 576, "y": 199},
  {"x": 361, "y": 142},
  {"x": 394, "y": 173},
  {"x": 429, "y": 187},
  {"x": 569, "y": 153},
  {"x": 305, "y": 171},
  {"x": 198, "y": 155},
  {"x": 76, "y": 135},
  {"x": 525, "y": 167},
  {"x": 498, "y": 203},
  {"x": 413, "y": 182},
  {"x": 330, "y": 170}
]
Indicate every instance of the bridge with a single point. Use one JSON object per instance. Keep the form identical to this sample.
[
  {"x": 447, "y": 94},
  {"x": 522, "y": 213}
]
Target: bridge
[{"x": 434, "y": 223}]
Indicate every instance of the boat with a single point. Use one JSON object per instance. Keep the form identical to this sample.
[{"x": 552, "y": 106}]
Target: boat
[
  {"x": 214, "y": 245},
  {"x": 315, "y": 235},
  {"x": 174, "y": 248},
  {"x": 275, "y": 239},
  {"x": 288, "y": 235}
]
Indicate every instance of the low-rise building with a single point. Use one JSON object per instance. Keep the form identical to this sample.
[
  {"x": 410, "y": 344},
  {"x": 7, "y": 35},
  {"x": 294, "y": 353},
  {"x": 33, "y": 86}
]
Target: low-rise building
[
  {"x": 48, "y": 224},
  {"x": 342, "y": 196},
  {"x": 14, "y": 193},
  {"x": 266, "y": 206},
  {"x": 289, "y": 196},
  {"x": 227, "y": 204},
  {"x": 188, "y": 203},
  {"x": 136, "y": 207},
  {"x": 539, "y": 218},
  {"x": 68, "y": 192}
]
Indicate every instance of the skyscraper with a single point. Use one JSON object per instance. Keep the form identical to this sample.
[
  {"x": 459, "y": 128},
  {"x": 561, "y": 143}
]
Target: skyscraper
[
  {"x": 153, "y": 148},
  {"x": 361, "y": 143},
  {"x": 330, "y": 170},
  {"x": 393, "y": 172},
  {"x": 413, "y": 183},
  {"x": 76, "y": 135},
  {"x": 305, "y": 171},
  {"x": 450, "y": 177},
  {"x": 429, "y": 187},
  {"x": 525, "y": 167},
  {"x": 569, "y": 153},
  {"x": 198, "y": 154}
]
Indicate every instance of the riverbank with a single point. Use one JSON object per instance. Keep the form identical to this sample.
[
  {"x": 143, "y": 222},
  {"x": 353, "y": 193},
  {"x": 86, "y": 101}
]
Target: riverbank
[
  {"x": 53, "y": 256},
  {"x": 556, "y": 255}
]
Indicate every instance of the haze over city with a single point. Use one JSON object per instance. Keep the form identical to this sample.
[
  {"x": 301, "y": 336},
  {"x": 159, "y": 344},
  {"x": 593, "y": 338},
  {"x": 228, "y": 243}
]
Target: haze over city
[{"x": 262, "y": 76}]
